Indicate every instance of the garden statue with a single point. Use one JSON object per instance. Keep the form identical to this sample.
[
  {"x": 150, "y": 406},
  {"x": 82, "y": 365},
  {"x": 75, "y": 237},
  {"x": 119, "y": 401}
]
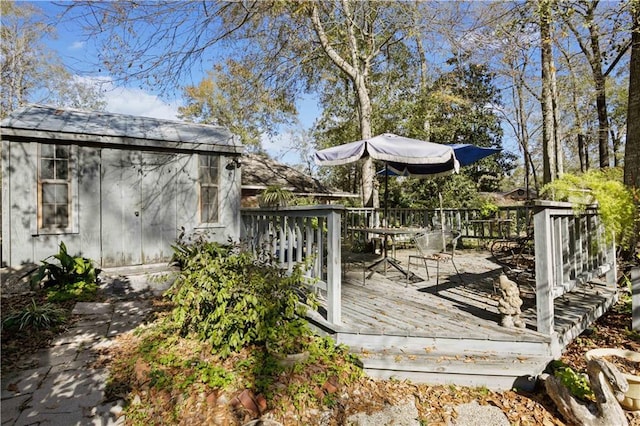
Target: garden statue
[{"x": 509, "y": 303}]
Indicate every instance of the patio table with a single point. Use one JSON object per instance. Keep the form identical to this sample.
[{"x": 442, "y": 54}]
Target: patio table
[{"x": 386, "y": 234}]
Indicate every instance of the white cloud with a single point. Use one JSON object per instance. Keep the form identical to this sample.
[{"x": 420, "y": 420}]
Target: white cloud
[
  {"x": 138, "y": 102},
  {"x": 77, "y": 45},
  {"x": 124, "y": 100}
]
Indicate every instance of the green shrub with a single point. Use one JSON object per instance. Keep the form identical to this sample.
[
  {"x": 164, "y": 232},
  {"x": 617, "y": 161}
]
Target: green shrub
[
  {"x": 576, "y": 383},
  {"x": 72, "y": 277},
  {"x": 228, "y": 298},
  {"x": 615, "y": 200},
  {"x": 35, "y": 316}
]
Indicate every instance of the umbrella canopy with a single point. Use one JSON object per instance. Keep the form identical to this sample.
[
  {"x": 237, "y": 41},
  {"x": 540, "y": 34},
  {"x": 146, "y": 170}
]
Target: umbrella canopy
[
  {"x": 465, "y": 154},
  {"x": 392, "y": 149}
]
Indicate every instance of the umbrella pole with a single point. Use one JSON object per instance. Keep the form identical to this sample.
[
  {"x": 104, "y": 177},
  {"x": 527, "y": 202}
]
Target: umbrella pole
[{"x": 386, "y": 193}]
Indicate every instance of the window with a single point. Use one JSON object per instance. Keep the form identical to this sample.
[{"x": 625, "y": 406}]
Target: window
[
  {"x": 208, "y": 178},
  {"x": 54, "y": 183}
]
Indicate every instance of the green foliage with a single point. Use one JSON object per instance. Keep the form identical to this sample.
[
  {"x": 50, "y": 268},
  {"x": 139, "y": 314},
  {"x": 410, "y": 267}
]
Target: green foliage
[
  {"x": 35, "y": 316},
  {"x": 228, "y": 298},
  {"x": 615, "y": 201},
  {"x": 72, "y": 277},
  {"x": 576, "y": 383},
  {"x": 488, "y": 209},
  {"x": 275, "y": 196}
]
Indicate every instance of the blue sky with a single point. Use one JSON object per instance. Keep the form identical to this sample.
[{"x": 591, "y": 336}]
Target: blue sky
[{"x": 80, "y": 56}]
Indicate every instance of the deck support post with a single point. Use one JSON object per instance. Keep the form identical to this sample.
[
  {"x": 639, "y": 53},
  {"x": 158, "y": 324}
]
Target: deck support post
[
  {"x": 635, "y": 298},
  {"x": 334, "y": 273},
  {"x": 545, "y": 268}
]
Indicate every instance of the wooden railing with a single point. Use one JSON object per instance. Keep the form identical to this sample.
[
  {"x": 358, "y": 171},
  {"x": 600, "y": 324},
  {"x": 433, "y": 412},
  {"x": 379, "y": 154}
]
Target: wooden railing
[
  {"x": 570, "y": 249},
  {"x": 468, "y": 221},
  {"x": 292, "y": 235}
]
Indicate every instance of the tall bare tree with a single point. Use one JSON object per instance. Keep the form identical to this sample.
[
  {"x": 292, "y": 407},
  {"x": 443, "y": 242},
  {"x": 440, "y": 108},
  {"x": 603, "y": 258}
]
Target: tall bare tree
[
  {"x": 585, "y": 14},
  {"x": 548, "y": 98},
  {"x": 632, "y": 148}
]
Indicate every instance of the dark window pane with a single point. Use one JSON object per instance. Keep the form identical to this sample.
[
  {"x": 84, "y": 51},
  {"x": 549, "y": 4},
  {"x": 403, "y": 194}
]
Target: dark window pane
[
  {"x": 213, "y": 170},
  {"x": 48, "y": 215},
  {"x": 62, "y": 193},
  {"x": 62, "y": 216},
  {"x": 46, "y": 169},
  {"x": 62, "y": 169},
  {"x": 62, "y": 151},
  {"x": 209, "y": 204},
  {"x": 46, "y": 150},
  {"x": 48, "y": 193}
]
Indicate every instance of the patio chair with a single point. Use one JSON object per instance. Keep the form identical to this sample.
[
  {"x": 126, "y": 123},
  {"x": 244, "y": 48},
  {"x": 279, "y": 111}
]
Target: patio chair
[
  {"x": 431, "y": 246},
  {"x": 349, "y": 259}
]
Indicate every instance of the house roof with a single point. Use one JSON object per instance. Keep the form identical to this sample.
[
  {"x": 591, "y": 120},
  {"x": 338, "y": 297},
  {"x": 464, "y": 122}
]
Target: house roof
[
  {"x": 97, "y": 127},
  {"x": 259, "y": 172}
]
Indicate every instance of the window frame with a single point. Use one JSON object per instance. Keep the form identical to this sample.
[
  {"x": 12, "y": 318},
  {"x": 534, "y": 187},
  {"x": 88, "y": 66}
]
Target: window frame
[
  {"x": 209, "y": 184},
  {"x": 72, "y": 188}
]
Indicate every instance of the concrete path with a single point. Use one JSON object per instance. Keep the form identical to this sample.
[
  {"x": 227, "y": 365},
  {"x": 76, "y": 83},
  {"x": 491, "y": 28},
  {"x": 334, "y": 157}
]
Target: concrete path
[{"x": 61, "y": 385}]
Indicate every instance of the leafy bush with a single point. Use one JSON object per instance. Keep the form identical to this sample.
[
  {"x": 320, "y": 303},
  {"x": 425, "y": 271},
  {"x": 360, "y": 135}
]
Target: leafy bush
[
  {"x": 72, "y": 277},
  {"x": 575, "y": 382},
  {"x": 35, "y": 316},
  {"x": 228, "y": 298},
  {"x": 615, "y": 201},
  {"x": 488, "y": 209}
]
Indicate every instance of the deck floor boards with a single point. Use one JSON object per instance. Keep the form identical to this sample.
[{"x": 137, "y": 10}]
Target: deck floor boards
[{"x": 464, "y": 306}]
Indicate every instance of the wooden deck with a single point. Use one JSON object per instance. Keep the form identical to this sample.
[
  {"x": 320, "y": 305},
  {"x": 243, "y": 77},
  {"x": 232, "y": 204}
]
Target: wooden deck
[{"x": 451, "y": 333}]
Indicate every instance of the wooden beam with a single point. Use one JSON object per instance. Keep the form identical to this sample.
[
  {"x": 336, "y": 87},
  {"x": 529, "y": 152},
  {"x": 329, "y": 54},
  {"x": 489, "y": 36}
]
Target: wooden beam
[
  {"x": 544, "y": 270},
  {"x": 334, "y": 273}
]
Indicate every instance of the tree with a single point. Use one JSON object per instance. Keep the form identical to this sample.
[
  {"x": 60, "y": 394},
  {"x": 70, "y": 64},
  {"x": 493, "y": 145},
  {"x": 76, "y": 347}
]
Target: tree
[
  {"x": 232, "y": 96},
  {"x": 296, "y": 45},
  {"x": 551, "y": 152},
  {"x": 583, "y": 14},
  {"x": 30, "y": 72},
  {"x": 23, "y": 64},
  {"x": 632, "y": 148}
]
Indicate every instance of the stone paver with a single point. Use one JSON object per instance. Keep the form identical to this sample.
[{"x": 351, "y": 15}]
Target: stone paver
[{"x": 59, "y": 385}]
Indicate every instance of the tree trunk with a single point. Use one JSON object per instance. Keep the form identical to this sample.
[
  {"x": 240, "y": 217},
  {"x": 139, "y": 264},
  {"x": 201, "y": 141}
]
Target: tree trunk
[
  {"x": 601, "y": 99},
  {"x": 369, "y": 190},
  {"x": 582, "y": 153},
  {"x": 632, "y": 148},
  {"x": 548, "y": 154}
]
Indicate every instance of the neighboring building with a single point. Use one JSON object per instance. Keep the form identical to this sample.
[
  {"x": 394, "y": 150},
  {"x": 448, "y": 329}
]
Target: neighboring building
[
  {"x": 260, "y": 172},
  {"x": 520, "y": 194},
  {"x": 115, "y": 188}
]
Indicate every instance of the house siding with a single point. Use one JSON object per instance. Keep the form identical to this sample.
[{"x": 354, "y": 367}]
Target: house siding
[{"x": 129, "y": 204}]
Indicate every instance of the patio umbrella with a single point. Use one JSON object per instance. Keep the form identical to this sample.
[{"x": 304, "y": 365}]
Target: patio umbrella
[
  {"x": 436, "y": 159},
  {"x": 465, "y": 154}
]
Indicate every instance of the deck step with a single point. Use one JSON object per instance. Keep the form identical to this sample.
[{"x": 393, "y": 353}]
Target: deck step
[{"x": 495, "y": 373}]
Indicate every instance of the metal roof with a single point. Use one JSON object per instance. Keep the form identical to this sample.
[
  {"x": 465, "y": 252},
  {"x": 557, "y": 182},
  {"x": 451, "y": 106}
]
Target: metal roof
[{"x": 46, "y": 122}]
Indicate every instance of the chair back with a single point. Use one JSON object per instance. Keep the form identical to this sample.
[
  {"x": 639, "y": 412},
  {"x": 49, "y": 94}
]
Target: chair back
[
  {"x": 428, "y": 242},
  {"x": 436, "y": 241}
]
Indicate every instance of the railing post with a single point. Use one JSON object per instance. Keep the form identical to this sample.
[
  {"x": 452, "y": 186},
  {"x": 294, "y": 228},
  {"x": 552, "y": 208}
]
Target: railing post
[
  {"x": 334, "y": 273},
  {"x": 544, "y": 270}
]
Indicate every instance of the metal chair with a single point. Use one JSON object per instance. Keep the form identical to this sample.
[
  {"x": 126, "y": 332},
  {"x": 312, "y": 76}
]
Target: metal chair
[{"x": 432, "y": 246}]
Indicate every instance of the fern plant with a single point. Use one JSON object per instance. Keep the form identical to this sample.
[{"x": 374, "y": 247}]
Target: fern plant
[{"x": 275, "y": 196}]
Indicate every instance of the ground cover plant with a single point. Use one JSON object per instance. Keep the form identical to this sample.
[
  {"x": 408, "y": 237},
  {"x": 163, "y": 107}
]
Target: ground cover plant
[{"x": 32, "y": 319}]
